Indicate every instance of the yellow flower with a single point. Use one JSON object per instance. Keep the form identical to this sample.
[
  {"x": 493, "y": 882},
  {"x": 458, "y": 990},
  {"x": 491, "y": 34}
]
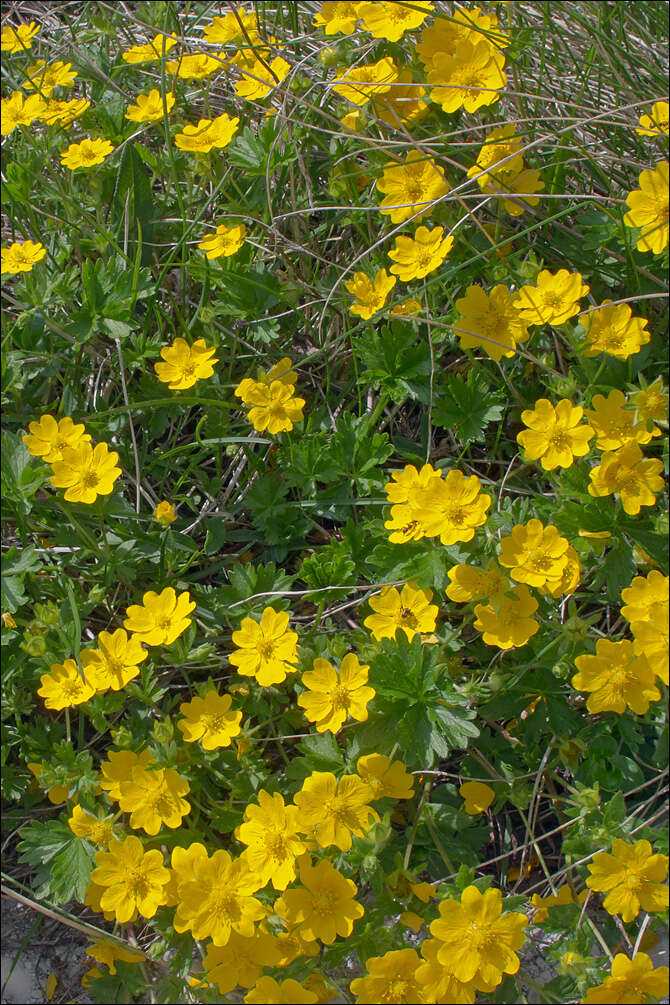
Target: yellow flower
[
  {"x": 499, "y": 156},
  {"x": 543, "y": 905},
  {"x": 164, "y": 513},
  {"x": 97, "y": 830},
  {"x": 469, "y": 79},
  {"x": 195, "y": 67},
  {"x": 404, "y": 524},
  {"x": 490, "y": 321},
  {"x": 634, "y": 877},
  {"x": 478, "y": 797},
  {"x": 63, "y": 686},
  {"x": 411, "y": 611},
  {"x": 336, "y": 17},
  {"x": 231, "y": 27},
  {"x": 477, "y": 943},
  {"x": 402, "y": 104},
  {"x": 612, "y": 329},
  {"x": 208, "y": 134},
  {"x": 370, "y": 294},
  {"x": 450, "y": 507},
  {"x": 630, "y": 981},
  {"x": 156, "y": 49},
  {"x": 185, "y": 364},
  {"x": 118, "y": 768},
  {"x": 281, "y": 371},
  {"x": 21, "y": 257},
  {"x": 445, "y": 35},
  {"x": 111, "y": 953},
  {"x": 241, "y": 960},
  {"x": 132, "y": 879},
  {"x": 334, "y": 810},
  {"x": 334, "y": 695},
  {"x": 657, "y": 123},
  {"x": 153, "y": 798},
  {"x": 219, "y": 900},
  {"x": 258, "y": 77},
  {"x": 86, "y": 154},
  {"x": 210, "y": 719},
  {"x": 8, "y": 620},
  {"x": 266, "y": 650},
  {"x": 115, "y": 662},
  {"x": 554, "y": 300},
  {"x": 325, "y": 907},
  {"x": 615, "y": 424},
  {"x": 568, "y": 579},
  {"x": 624, "y": 473},
  {"x": 392, "y": 20},
  {"x": 86, "y": 472},
  {"x": 646, "y": 597},
  {"x": 554, "y": 435},
  {"x": 268, "y": 991},
  {"x": 45, "y": 78},
  {"x": 391, "y": 977},
  {"x": 650, "y": 639},
  {"x": 651, "y": 403},
  {"x": 274, "y": 407},
  {"x": 270, "y": 831},
  {"x": 509, "y": 625},
  {"x": 161, "y": 618},
  {"x": 227, "y": 241},
  {"x": 418, "y": 256},
  {"x": 617, "y": 679},
  {"x": 385, "y": 779},
  {"x": 408, "y": 308},
  {"x": 469, "y": 583},
  {"x": 517, "y": 190},
  {"x": 18, "y": 39},
  {"x": 149, "y": 107},
  {"x": 20, "y": 111},
  {"x": 64, "y": 112},
  {"x": 534, "y": 553},
  {"x": 438, "y": 985},
  {"x": 359, "y": 84},
  {"x": 410, "y": 188},
  {"x": 49, "y": 436},
  {"x": 649, "y": 209}
]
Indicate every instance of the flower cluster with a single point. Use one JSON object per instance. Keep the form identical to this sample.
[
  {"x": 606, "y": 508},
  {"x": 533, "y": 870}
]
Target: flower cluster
[
  {"x": 500, "y": 171},
  {"x": 85, "y": 472},
  {"x": 274, "y": 406},
  {"x": 426, "y": 504}
]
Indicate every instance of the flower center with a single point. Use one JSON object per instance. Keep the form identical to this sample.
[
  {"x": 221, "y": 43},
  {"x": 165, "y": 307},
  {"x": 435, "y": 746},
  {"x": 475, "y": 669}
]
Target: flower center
[
  {"x": 266, "y": 649},
  {"x": 341, "y": 698},
  {"x": 408, "y": 619},
  {"x": 138, "y": 886},
  {"x": 89, "y": 479}
]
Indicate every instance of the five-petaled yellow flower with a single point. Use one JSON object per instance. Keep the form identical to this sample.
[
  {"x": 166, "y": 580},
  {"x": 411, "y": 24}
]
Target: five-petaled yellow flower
[
  {"x": 370, "y": 294},
  {"x": 218, "y": 900},
  {"x": 225, "y": 242},
  {"x": 154, "y": 798},
  {"x": 185, "y": 364},
  {"x": 508, "y": 625},
  {"x": 554, "y": 435},
  {"x": 648, "y": 209},
  {"x": 21, "y": 257},
  {"x": 18, "y": 39},
  {"x": 470, "y": 78},
  {"x": 86, "y": 472},
  {"x": 18, "y": 110},
  {"x": 612, "y": 329},
  {"x": 274, "y": 407},
  {"x": 411, "y": 188},
  {"x": 334, "y": 695},
  {"x": 411, "y": 610},
  {"x": 634, "y": 877},
  {"x": 392, "y": 20},
  {"x": 324, "y": 906},
  {"x": 633, "y": 980},
  {"x": 272, "y": 833},
  {"x": 149, "y": 107},
  {"x": 554, "y": 300},
  {"x": 361, "y": 83},
  {"x": 267, "y": 650},
  {"x": 657, "y": 123},
  {"x": 417, "y": 256},
  {"x": 161, "y": 618},
  {"x": 49, "y": 436},
  {"x": 534, "y": 553},
  {"x": 64, "y": 686},
  {"x": 210, "y": 719},
  {"x": 617, "y": 678},
  {"x": 393, "y": 976},
  {"x": 132, "y": 879},
  {"x": 386, "y": 779},
  {"x": 115, "y": 662},
  {"x": 624, "y": 472},
  {"x": 208, "y": 134},
  {"x": 156, "y": 49},
  {"x": 331, "y": 810},
  {"x": 86, "y": 154},
  {"x": 45, "y": 78},
  {"x": 490, "y": 321}
]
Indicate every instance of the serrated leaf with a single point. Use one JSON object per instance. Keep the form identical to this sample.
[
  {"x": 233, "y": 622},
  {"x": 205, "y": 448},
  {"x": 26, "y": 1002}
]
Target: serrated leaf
[
  {"x": 322, "y": 752},
  {"x": 467, "y": 406},
  {"x": 41, "y": 842},
  {"x": 71, "y": 871}
]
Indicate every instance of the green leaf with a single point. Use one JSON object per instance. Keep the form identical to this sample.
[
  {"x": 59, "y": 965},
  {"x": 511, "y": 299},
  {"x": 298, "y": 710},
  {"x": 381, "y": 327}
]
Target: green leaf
[
  {"x": 15, "y": 566},
  {"x": 71, "y": 871},
  {"x": 330, "y": 565},
  {"x": 394, "y": 365},
  {"x": 41, "y": 842},
  {"x": 643, "y": 534},
  {"x": 467, "y": 406}
]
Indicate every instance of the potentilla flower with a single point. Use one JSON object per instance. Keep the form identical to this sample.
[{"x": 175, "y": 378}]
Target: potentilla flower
[
  {"x": 185, "y": 364},
  {"x": 45, "y": 78},
  {"x": 281, "y": 371},
  {"x": 225, "y": 242},
  {"x": 617, "y": 679},
  {"x": 633, "y": 980},
  {"x": 554, "y": 435},
  {"x": 219, "y": 900},
  {"x": 612, "y": 329},
  {"x": 451, "y": 508},
  {"x": 554, "y": 300},
  {"x": 392, "y": 20},
  {"x": 266, "y": 650},
  {"x": 402, "y": 104},
  {"x": 634, "y": 877},
  {"x": 469, "y": 583},
  {"x": 410, "y": 188},
  {"x": 625, "y": 473},
  {"x": 115, "y": 662},
  {"x": 478, "y": 797},
  {"x": 258, "y": 78},
  {"x": 615, "y": 424},
  {"x": 470, "y": 79},
  {"x": 154, "y": 798},
  {"x": 18, "y": 39},
  {"x": 86, "y": 472},
  {"x": 334, "y": 695},
  {"x": 86, "y": 154},
  {"x": 410, "y": 611},
  {"x": 417, "y": 256},
  {"x": 650, "y": 639},
  {"x": 385, "y": 779},
  {"x": 21, "y": 257},
  {"x": 336, "y": 17},
  {"x": 195, "y": 67},
  {"x": 150, "y": 51},
  {"x": 445, "y": 35},
  {"x": 231, "y": 27},
  {"x": 478, "y": 941},
  {"x": 165, "y": 513},
  {"x": 118, "y": 768},
  {"x": 645, "y": 597},
  {"x": 211, "y": 720},
  {"x": 490, "y": 321},
  {"x": 499, "y": 156},
  {"x": 359, "y": 84},
  {"x": 371, "y": 294},
  {"x": 64, "y": 686},
  {"x": 534, "y": 553},
  {"x": 149, "y": 107},
  {"x": 208, "y": 134},
  {"x": 48, "y": 437},
  {"x": 271, "y": 832},
  {"x": 64, "y": 112},
  {"x": 649, "y": 209},
  {"x": 161, "y": 618},
  {"x": 517, "y": 189},
  {"x": 391, "y": 977},
  {"x": 437, "y": 985},
  {"x": 402, "y": 489},
  {"x": 132, "y": 879},
  {"x": 508, "y": 625},
  {"x": 268, "y": 991},
  {"x": 325, "y": 907},
  {"x": 273, "y": 407},
  {"x": 568, "y": 579},
  {"x": 335, "y": 810},
  {"x": 656, "y": 124},
  {"x": 98, "y": 830},
  {"x": 408, "y": 308},
  {"x": 650, "y": 403},
  {"x": 20, "y": 111},
  {"x": 241, "y": 961},
  {"x": 111, "y": 953}
]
